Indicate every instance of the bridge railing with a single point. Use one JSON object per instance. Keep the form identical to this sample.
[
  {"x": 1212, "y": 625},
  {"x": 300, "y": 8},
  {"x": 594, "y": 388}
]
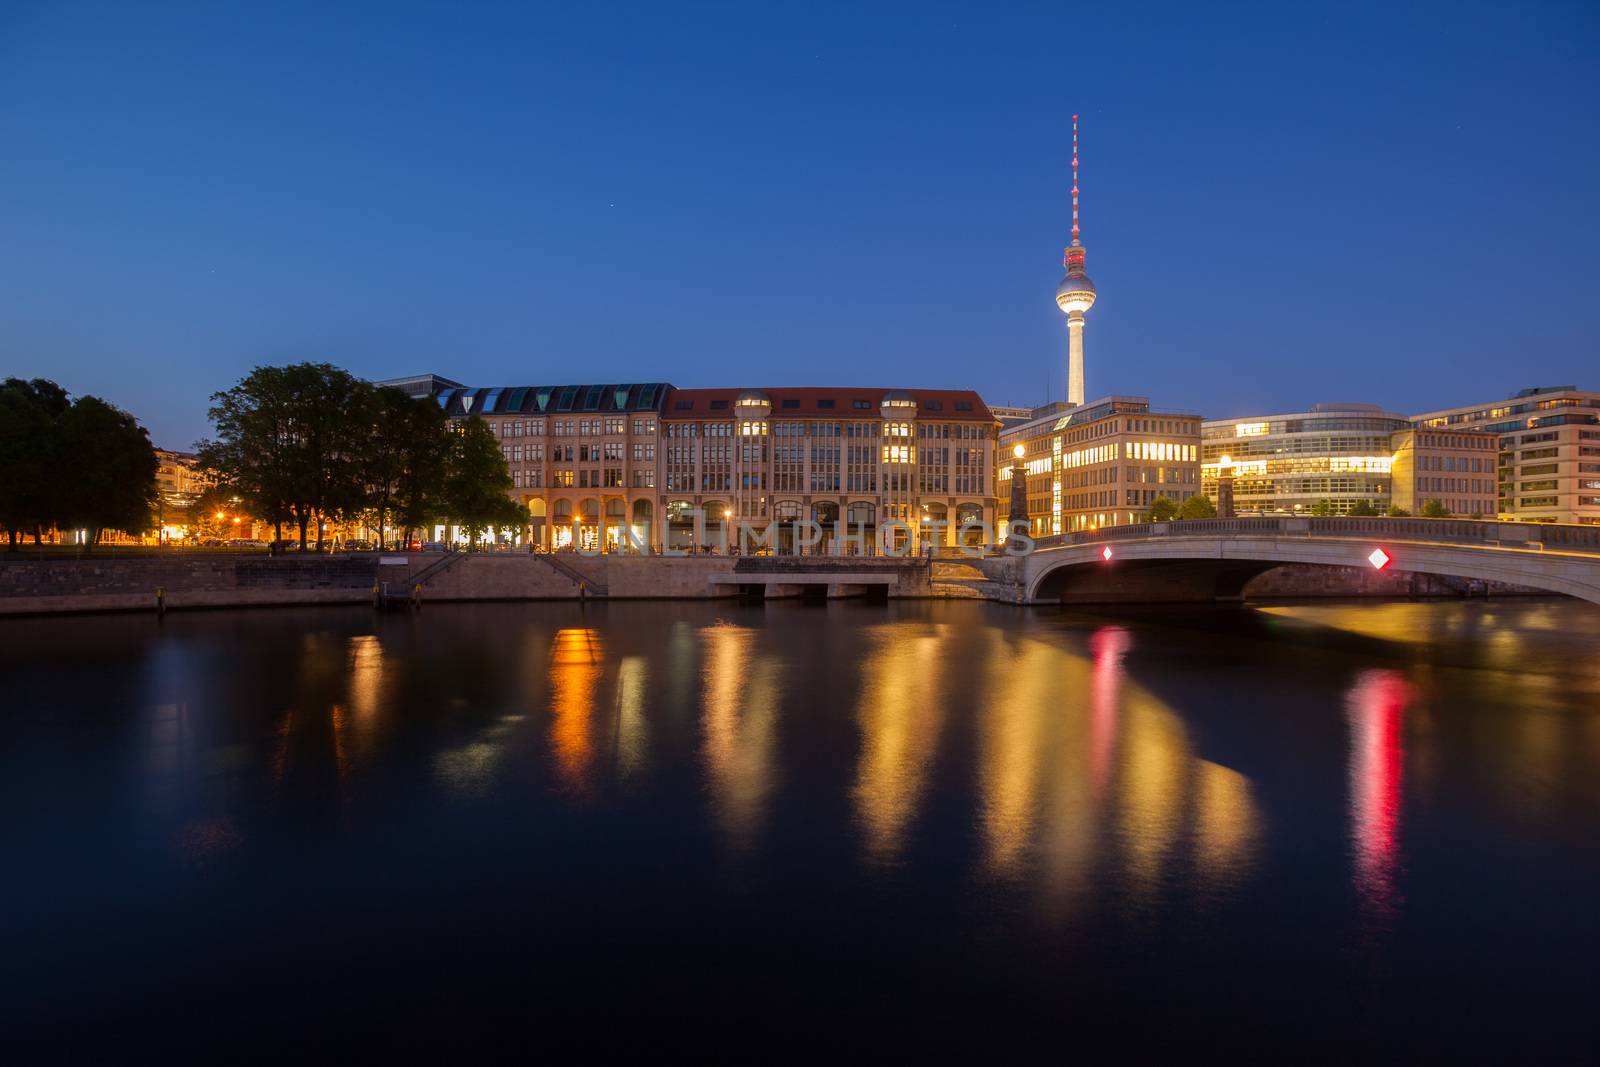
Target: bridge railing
[{"x": 1563, "y": 538}]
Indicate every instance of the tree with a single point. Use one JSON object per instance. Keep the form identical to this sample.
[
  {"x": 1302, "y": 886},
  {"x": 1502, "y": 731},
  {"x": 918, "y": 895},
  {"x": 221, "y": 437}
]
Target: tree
[
  {"x": 110, "y": 481},
  {"x": 1398, "y": 512},
  {"x": 1363, "y": 508},
  {"x": 477, "y": 482},
  {"x": 30, "y": 454},
  {"x": 1198, "y": 506},
  {"x": 405, "y": 460},
  {"x": 1162, "y": 509},
  {"x": 288, "y": 443},
  {"x": 1322, "y": 507},
  {"x": 1434, "y": 509}
]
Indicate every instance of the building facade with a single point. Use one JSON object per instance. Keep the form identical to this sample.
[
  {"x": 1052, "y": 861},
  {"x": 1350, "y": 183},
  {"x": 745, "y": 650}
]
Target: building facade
[
  {"x": 605, "y": 466},
  {"x": 1100, "y": 464},
  {"x": 1454, "y": 467},
  {"x": 1548, "y": 448},
  {"x": 908, "y": 465},
  {"x": 1342, "y": 458},
  {"x": 178, "y": 486},
  {"x": 1290, "y": 464}
]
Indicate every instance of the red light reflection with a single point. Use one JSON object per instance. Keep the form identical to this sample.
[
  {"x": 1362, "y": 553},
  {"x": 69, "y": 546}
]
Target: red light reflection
[
  {"x": 1375, "y": 706},
  {"x": 1108, "y": 645}
]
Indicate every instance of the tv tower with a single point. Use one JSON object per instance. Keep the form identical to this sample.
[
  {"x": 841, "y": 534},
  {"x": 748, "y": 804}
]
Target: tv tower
[{"x": 1075, "y": 294}]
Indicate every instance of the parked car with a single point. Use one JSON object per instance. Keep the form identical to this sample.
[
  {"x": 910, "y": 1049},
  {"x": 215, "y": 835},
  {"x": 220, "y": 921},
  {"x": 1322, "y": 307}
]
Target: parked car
[{"x": 433, "y": 546}]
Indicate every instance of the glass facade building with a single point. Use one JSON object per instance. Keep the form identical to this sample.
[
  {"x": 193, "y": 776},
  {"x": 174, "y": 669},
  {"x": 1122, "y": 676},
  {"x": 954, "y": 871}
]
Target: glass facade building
[{"x": 1339, "y": 454}]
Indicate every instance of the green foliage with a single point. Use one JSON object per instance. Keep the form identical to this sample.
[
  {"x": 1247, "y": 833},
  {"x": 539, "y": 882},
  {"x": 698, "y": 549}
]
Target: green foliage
[
  {"x": 477, "y": 482},
  {"x": 1398, "y": 512},
  {"x": 405, "y": 460},
  {"x": 81, "y": 464},
  {"x": 1322, "y": 507},
  {"x": 1363, "y": 508},
  {"x": 1198, "y": 506},
  {"x": 288, "y": 442},
  {"x": 110, "y": 480},
  {"x": 1434, "y": 509},
  {"x": 1162, "y": 509},
  {"x": 29, "y": 446}
]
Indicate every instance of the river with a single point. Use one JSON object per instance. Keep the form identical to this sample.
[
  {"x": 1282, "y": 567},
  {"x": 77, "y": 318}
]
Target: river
[{"x": 1330, "y": 830}]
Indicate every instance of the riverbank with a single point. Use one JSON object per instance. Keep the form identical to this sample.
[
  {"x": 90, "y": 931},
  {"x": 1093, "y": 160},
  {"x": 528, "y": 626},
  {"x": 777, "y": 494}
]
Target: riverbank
[
  {"x": 177, "y": 582},
  {"x": 57, "y": 586}
]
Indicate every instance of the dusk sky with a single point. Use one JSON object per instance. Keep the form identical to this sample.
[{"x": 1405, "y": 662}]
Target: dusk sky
[{"x": 1282, "y": 205}]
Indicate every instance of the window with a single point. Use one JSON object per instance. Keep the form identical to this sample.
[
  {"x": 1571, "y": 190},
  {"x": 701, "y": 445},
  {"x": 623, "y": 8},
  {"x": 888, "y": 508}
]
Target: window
[
  {"x": 719, "y": 405},
  {"x": 861, "y": 405},
  {"x": 790, "y": 402},
  {"x": 683, "y": 405},
  {"x": 825, "y": 402}
]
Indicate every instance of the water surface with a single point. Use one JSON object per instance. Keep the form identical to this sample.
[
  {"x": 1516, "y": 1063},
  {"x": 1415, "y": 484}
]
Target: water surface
[{"x": 1329, "y": 830}]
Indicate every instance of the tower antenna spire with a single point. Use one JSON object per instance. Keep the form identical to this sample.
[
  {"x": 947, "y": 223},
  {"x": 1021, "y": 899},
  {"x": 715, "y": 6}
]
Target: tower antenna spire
[
  {"x": 1074, "y": 179},
  {"x": 1075, "y": 294}
]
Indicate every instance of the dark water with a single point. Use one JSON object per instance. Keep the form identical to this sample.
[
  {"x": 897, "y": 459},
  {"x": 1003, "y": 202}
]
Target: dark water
[{"x": 1314, "y": 832}]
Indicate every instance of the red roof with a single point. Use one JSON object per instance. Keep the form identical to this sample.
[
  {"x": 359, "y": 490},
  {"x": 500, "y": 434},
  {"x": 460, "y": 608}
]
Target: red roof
[{"x": 949, "y": 405}]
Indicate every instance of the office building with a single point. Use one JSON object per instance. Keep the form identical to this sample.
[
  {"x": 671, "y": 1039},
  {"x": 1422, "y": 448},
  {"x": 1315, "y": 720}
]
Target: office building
[
  {"x": 600, "y": 465},
  {"x": 1548, "y": 451},
  {"x": 1100, "y": 464}
]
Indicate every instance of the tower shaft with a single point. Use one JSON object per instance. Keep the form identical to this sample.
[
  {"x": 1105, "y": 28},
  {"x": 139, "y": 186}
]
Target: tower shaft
[{"x": 1075, "y": 357}]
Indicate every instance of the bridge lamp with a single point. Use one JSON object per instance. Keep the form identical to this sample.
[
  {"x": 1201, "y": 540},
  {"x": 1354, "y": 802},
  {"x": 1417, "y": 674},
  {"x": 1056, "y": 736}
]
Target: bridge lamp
[
  {"x": 1379, "y": 559},
  {"x": 1105, "y": 553},
  {"x": 1019, "y": 451}
]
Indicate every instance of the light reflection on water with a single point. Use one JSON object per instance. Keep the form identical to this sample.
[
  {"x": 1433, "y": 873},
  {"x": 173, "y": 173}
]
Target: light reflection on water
[
  {"x": 740, "y": 713},
  {"x": 1377, "y": 704},
  {"x": 1306, "y": 773}
]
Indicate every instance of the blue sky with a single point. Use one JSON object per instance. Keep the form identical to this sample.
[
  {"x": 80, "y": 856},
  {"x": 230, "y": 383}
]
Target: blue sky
[{"x": 1282, "y": 204}]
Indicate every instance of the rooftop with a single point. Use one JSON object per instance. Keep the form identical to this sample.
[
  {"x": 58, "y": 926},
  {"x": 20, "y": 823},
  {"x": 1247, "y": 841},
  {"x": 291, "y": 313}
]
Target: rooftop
[{"x": 821, "y": 402}]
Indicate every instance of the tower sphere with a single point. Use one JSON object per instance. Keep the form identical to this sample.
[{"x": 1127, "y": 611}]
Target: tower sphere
[{"x": 1075, "y": 293}]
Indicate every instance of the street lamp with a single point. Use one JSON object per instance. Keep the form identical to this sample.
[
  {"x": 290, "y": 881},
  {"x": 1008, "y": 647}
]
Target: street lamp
[{"x": 1225, "y": 487}]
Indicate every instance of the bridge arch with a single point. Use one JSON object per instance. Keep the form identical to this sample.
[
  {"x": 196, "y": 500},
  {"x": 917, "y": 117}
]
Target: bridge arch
[{"x": 1170, "y": 563}]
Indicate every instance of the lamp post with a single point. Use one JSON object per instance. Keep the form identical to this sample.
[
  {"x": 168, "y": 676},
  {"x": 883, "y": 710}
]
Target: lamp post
[
  {"x": 1019, "y": 487},
  {"x": 1225, "y": 487}
]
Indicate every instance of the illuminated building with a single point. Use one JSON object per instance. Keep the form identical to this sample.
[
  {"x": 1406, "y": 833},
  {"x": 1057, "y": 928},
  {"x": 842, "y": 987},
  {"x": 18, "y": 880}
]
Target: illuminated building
[
  {"x": 1548, "y": 443},
  {"x": 1102, "y": 463},
  {"x": 602, "y": 464},
  {"x": 1075, "y": 295},
  {"x": 1339, "y": 458},
  {"x": 178, "y": 485},
  {"x": 864, "y": 457},
  {"x": 1454, "y": 467},
  {"x": 582, "y": 458}
]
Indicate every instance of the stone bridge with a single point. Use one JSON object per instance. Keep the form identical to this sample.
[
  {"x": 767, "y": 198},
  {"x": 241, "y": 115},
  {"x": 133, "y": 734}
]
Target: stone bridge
[{"x": 1213, "y": 559}]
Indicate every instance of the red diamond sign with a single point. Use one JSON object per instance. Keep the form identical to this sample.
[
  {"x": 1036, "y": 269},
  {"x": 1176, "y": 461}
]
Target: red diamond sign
[
  {"x": 1379, "y": 559},
  {"x": 1105, "y": 553}
]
